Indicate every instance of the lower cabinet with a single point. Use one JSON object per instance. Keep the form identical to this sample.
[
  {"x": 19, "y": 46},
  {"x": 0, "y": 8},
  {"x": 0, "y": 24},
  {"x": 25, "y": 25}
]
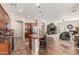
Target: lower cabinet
[{"x": 4, "y": 48}]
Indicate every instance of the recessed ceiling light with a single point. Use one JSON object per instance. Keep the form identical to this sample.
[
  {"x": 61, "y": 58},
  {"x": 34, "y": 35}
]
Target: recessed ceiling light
[
  {"x": 35, "y": 17},
  {"x": 40, "y": 14},
  {"x": 37, "y": 4},
  {"x": 20, "y": 10},
  {"x": 28, "y": 16}
]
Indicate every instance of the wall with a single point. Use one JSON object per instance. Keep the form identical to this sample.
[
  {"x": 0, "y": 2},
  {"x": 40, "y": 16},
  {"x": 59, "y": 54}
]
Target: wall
[
  {"x": 62, "y": 26},
  {"x": 15, "y": 18}
]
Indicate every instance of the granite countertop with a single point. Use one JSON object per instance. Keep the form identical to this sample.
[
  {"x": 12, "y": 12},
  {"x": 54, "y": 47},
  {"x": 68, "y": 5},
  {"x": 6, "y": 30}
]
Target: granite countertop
[{"x": 4, "y": 41}]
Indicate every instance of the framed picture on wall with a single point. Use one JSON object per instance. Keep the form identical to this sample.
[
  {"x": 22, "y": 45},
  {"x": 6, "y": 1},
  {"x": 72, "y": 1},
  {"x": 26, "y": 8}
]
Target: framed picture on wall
[{"x": 70, "y": 26}]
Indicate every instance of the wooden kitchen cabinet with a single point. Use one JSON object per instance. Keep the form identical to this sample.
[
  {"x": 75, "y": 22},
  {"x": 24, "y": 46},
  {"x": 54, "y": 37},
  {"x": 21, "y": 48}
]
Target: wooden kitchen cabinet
[
  {"x": 4, "y": 18},
  {"x": 1, "y": 13},
  {"x": 4, "y": 48},
  {"x": 2, "y": 25},
  {"x": 28, "y": 31}
]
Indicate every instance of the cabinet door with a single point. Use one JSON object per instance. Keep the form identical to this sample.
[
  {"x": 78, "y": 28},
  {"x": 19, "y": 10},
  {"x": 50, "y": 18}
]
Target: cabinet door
[
  {"x": 1, "y": 13},
  {"x": 2, "y": 25},
  {"x": 4, "y": 48},
  {"x": 6, "y": 19}
]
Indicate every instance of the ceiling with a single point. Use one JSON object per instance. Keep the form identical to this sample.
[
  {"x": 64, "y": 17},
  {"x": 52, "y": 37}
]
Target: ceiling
[{"x": 50, "y": 11}]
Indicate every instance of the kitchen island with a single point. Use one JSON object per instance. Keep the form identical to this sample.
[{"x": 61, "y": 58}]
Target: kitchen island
[{"x": 35, "y": 43}]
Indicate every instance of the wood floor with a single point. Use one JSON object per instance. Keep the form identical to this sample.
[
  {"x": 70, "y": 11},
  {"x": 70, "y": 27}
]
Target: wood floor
[
  {"x": 21, "y": 47},
  {"x": 53, "y": 48},
  {"x": 57, "y": 48}
]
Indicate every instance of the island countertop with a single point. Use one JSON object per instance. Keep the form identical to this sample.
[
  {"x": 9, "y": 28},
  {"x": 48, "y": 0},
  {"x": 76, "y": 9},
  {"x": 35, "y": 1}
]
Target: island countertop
[{"x": 35, "y": 36}]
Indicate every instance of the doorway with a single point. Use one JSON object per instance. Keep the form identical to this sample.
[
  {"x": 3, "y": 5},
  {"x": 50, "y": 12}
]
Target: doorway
[
  {"x": 18, "y": 33},
  {"x": 19, "y": 29}
]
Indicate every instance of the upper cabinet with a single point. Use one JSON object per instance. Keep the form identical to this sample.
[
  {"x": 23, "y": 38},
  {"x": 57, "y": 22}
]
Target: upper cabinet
[
  {"x": 4, "y": 18},
  {"x": 2, "y": 25},
  {"x": 1, "y": 13}
]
